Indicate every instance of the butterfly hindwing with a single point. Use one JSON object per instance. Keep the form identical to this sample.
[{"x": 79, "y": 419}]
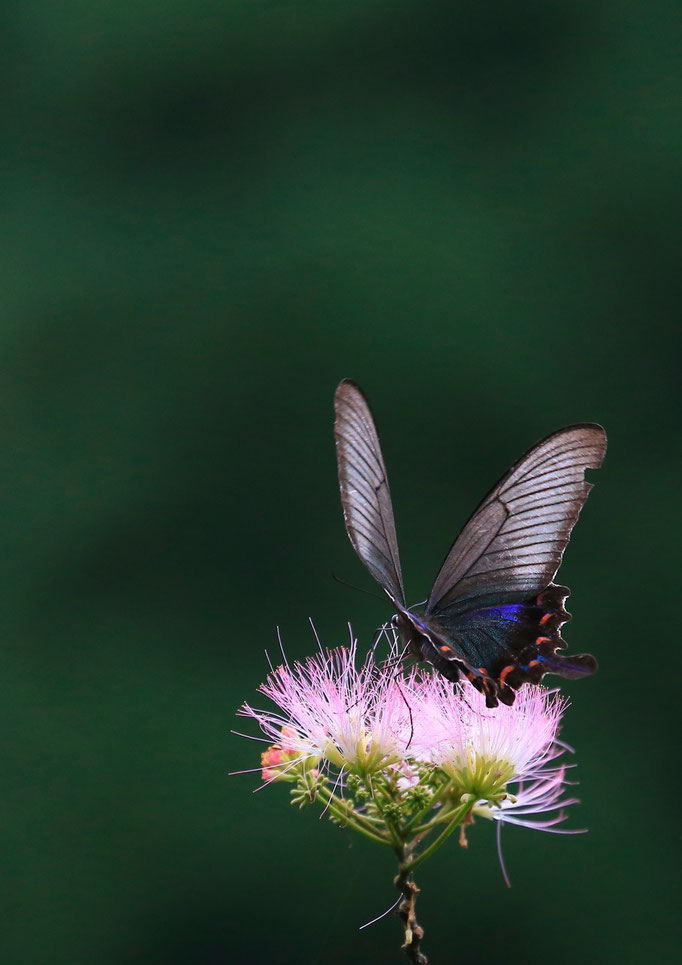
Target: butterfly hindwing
[{"x": 501, "y": 647}]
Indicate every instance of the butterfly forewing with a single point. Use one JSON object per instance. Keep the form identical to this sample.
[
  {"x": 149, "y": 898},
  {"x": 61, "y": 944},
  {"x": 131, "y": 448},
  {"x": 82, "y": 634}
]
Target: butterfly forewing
[
  {"x": 365, "y": 496},
  {"x": 513, "y": 544}
]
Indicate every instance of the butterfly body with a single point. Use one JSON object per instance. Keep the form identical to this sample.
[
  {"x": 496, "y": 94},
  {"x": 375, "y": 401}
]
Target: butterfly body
[
  {"x": 425, "y": 643},
  {"x": 493, "y": 615}
]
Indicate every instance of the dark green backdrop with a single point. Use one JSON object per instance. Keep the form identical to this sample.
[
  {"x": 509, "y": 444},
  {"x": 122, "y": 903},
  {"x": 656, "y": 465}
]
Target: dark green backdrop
[{"x": 212, "y": 212}]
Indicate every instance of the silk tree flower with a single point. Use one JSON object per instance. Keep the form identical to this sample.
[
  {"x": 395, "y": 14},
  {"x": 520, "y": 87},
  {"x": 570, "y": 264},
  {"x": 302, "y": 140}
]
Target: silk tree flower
[
  {"x": 480, "y": 749},
  {"x": 543, "y": 796},
  {"x": 334, "y": 714},
  {"x": 406, "y": 760}
]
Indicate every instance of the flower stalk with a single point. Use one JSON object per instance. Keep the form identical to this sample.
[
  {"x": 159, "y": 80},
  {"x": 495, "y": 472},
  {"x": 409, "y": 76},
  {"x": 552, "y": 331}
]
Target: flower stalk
[{"x": 413, "y": 930}]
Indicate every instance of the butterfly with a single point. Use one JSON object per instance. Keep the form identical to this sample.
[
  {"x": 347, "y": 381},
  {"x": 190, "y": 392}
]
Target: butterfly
[{"x": 493, "y": 615}]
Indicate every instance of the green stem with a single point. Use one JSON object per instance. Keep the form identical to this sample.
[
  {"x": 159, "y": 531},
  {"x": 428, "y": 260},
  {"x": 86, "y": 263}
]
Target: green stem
[
  {"x": 352, "y": 818},
  {"x": 459, "y": 814},
  {"x": 443, "y": 818}
]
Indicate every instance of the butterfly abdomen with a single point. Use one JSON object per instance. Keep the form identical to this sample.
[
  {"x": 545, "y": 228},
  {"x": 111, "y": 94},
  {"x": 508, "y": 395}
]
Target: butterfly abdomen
[
  {"x": 418, "y": 641},
  {"x": 442, "y": 658}
]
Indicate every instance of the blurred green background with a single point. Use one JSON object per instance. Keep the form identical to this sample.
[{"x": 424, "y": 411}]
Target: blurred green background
[{"x": 212, "y": 212}]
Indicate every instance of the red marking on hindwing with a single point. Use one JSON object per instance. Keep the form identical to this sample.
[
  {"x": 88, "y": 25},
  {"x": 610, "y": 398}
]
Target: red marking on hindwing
[
  {"x": 540, "y": 640},
  {"x": 547, "y": 616},
  {"x": 445, "y": 649},
  {"x": 504, "y": 673}
]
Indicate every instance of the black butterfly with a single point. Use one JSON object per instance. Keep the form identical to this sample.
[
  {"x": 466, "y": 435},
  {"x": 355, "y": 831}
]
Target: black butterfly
[{"x": 493, "y": 613}]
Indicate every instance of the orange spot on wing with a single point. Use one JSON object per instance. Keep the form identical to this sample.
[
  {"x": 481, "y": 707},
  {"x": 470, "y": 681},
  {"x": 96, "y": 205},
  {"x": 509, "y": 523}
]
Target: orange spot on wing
[
  {"x": 547, "y": 616},
  {"x": 533, "y": 663},
  {"x": 540, "y": 640},
  {"x": 445, "y": 649},
  {"x": 505, "y": 672}
]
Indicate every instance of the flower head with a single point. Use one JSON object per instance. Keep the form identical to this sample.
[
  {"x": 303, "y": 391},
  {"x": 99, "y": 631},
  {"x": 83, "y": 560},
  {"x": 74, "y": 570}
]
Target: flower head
[
  {"x": 483, "y": 749},
  {"x": 334, "y": 713}
]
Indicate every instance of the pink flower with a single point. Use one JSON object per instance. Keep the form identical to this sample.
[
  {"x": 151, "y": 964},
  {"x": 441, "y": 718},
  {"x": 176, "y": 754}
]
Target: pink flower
[
  {"x": 270, "y": 761},
  {"x": 330, "y": 711},
  {"x": 476, "y": 745},
  {"x": 543, "y": 796}
]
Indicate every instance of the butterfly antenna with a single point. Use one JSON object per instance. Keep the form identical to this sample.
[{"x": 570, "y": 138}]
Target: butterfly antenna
[{"x": 352, "y": 586}]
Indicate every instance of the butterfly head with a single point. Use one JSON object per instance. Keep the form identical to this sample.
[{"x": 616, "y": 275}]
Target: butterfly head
[{"x": 411, "y": 631}]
